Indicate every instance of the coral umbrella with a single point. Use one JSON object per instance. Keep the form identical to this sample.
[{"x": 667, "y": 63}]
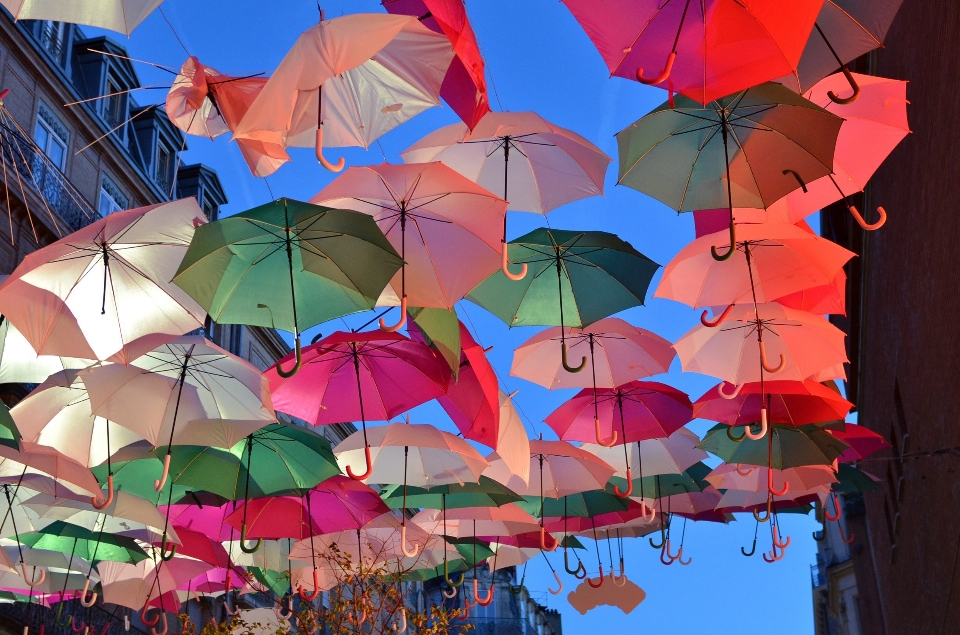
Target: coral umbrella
[
  {"x": 844, "y": 31},
  {"x": 792, "y": 446},
  {"x": 288, "y": 265},
  {"x": 616, "y": 353},
  {"x": 473, "y": 399},
  {"x": 19, "y": 363},
  {"x": 336, "y": 504},
  {"x": 556, "y": 469},
  {"x": 121, "y": 16},
  {"x": 464, "y": 86},
  {"x": 760, "y": 481},
  {"x": 789, "y": 402},
  {"x": 873, "y": 126},
  {"x": 104, "y": 291},
  {"x": 354, "y": 78},
  {"x": 507, "y": 520},
  {"x": 445, "y": 227},
  {"x": 771, "y": 260},
  {"x": 748, "y": 149},
  {"x": 806, "y": 344},
  {"x": 204, "y": 102},
  {"x": 703, "y": 50},
  {"x": 138, "y": 585},
  {"x": 829, "y": 298},
  {"x": 46, "y": 470},
  {"x": 553, "y": 166},
  {"x": 862, "y": 441}
]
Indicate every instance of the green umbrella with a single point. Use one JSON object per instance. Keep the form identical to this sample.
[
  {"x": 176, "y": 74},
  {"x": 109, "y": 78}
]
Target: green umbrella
[
  {"x": 792, "y": 446},
  {"x": 853, "y": 480},
  {"x": 581, "y": 505},
  {"x": 484, "y": 493},
  {"x": 660, "y": 485},
  {"x": 575, "y": 278},
  {"x": 276, "y": 581},
  {"x": 82, "y": 543},
  {"x": 748, "y": 150},
  {"x": 441, "y": 331},
  {"x": 136, "y": 476},
  {"x": 9, "y": 435},
  {"x": 287, "y": 265},
  {"x": 422, "y": 575}
]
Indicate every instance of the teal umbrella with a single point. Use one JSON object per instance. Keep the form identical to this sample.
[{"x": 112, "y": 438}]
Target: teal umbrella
[
  {"x": 484, "y": 493},
  {"x": 83, "y": 543}
]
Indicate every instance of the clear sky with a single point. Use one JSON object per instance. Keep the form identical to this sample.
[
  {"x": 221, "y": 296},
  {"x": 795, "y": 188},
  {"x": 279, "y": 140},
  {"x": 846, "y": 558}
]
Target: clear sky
[{"x": 538, "y": 59}]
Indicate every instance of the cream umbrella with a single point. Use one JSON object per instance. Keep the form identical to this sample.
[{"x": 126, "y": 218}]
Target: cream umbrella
[{"x": 122, "y": 16}]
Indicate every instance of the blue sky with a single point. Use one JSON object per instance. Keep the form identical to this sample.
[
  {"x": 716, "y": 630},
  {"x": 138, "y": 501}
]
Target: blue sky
[{"x": 538, "y": 59}]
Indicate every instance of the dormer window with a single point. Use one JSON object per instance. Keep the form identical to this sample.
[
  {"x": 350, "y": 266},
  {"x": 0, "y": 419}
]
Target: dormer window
[
  {"x": 113, "y": 104},
  {"x": 165, "y": 165},
  {"x": 51, "y": 136},
  {"x": 53, "y": 37}
]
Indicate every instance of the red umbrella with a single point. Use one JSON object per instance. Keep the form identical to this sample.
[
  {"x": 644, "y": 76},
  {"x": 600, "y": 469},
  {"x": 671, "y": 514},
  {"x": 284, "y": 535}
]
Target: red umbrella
[
  {"x": 862, "y": 441},
  {"x": 473, "y": 398},
  {"x": 636, "y": 411},
  {"x": 788, "y": 402},
  {"x": 464, "y": 86},
  {"x": 351, "y": 376},
  {"x": 337, "y": 504},
  {"x": 704, "y": 49},
  {"x": 574, "y": 524},
  {"x": 202, "y": 547}
]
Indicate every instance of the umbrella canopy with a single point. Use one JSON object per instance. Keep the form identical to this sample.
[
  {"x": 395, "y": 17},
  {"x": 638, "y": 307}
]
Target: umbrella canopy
[
  {"x": 464, "y": 86},
  {"x": 703, "y": 50},
  {"x": 440, "y": 330},
  {"x": 581, "y": 505},
  {"x": 287, "y": 265},
  {"x": 122, "y": 16},
  {"x": 445, "y": 227},
  {"x": 336, "y": 504},
  {"x": 672, "y": 455},
  {"x": 576, "y": 278},
  {"x": 556, "y": 469},
  {"x": 771, "y": 260},
  {"x": 632, "y": 412},
  {"x": 316, "y": 89},
  {"x": 104, "y": 291},
  {"x": 809, "y": 477},
  {"x": 472, "y": 399},
  {"x": 513, "y": 444},
  {"x": 136, "y": 585},
  {"x": 9, "y": 434},
  {"x": 792, "y": 447},
  {"x": 584, "y": 525},
  {"x": 484, "y": 493},
  {"x": 844, "y": 30},
  {"x": 415, "y": 454},
  {"x": 377, "y": 541},
  {"x": 19, "y": 363},
  {"x": 126, "y": 515},
  {"x": 854, "y": 480},
  {"x": 616, "y": 353},
  {"x": 807, "y": 344},
  {"x": 862, "y": 441},
  {"x": 46, "y": 470},
  {"x": 507, "y": 520},
  {"x": 86, "y": 544},
  {"x": 789, "y": 402}
]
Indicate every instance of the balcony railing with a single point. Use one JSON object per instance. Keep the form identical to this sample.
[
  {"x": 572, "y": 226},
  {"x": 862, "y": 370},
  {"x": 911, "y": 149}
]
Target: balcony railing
[{"x": 817, "y": 577}]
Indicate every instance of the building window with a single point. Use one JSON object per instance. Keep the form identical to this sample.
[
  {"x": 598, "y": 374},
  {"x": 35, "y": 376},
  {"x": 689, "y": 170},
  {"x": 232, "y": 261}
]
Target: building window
[
  {"x": 165, "y": 160},
  {"x": 111, "y": 199},
  {"x": 51, "y": 136},
  {"x": 53, "y": 36},
  {"x": 113, "y": 105}
]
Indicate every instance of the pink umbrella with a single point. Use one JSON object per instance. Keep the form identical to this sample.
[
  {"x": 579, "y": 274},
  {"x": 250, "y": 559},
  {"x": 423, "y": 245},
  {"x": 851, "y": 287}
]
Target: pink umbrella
[
  {"x": 828, "y": 298},
  {"x": 350, "y": 376},
  {"x": 862, "y": 441},
  {"x": 464, "y": 86},
  {"x": 507, "y": 520},
  {"x": 201, "y": 546},
  {"x": 471, "y": 399},
  {"x": 206, "y": 519},
  {"x": 46, "y": 470},
  {"x": 575, "y": 524},
  {"x": 445, "y": 227},
  {"x": 337, "y": 504},
  {"x": 790, "y": 402}
]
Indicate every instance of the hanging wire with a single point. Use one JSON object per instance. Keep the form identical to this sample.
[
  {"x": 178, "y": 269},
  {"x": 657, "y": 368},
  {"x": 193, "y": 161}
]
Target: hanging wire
[{"x": 165, "y": 19}]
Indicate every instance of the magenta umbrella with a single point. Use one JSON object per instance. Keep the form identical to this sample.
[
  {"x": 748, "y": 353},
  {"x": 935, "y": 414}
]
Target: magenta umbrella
[
  {"x": 473, "y": 399},
  {"x": 203, "y": 518},
  {"x": 337, "y": 504},
  {"x": 351, "y": 376}
]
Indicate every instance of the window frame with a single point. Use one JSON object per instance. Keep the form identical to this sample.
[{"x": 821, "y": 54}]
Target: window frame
[
  {"x": 118, "y": 201},
  {"x": 56, "y": 131}
]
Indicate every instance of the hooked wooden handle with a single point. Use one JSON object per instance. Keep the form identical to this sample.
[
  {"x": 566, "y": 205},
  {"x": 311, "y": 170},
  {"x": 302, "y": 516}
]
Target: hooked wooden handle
[
  {"x": 322, "y": 159},
  {"x": 766, "y": 365},
  {"x": 243, "y": 538},
  {"x": 599, "y": 580},
  {"x": 103, "y": 503},
  {"x": 158, "y": 484},
  {"x": 556, "y": 576},
  {"x": 505, "y": 264},
  {"x": 629, "y": 490},
  {"x": 716, "y": 322},
  {"x": 403, "y": 544},
  {"x": 298, "y": 354},
  {"x": 771, "y": 489},
  {"x": 853, "y": 84},
  {"x": 143, "y": 616},
  {"x": 732, "y": 395},
  {"x": 733, "y": 246},
  {"x": 664, "y": 74},
  {"x": 403, "y": 318},
  {"x": 26, "y": 578},
  {"x": 366, "y": 454},
  {"x": 310, "y": 597},
  {"x": 566, "y": 365},
  {"x": 543, "y": 540},
  {"x": 165, "y": 555},
  {"x": 83, "y": 596},
  {"x": 482, "y": 601},
  {"x": 763, "y": 428},
  {"x": 607, "y": 443}
]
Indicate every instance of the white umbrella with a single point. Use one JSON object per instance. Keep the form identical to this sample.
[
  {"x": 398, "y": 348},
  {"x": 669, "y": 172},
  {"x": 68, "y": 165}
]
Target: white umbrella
[
  {"x": 126, "y": 514},
  {"x": 122, "y": 16},
  {"x": 19, "y": 363},
  {"x": 672, "y": 455}
]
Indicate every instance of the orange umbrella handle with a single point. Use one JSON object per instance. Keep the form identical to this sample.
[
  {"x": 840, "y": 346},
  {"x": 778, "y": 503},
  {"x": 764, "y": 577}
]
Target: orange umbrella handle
[
  {"x": 360, "y": 477},
  {"x": 556, "y": 576},
  {"x": 158, "y": 484},
  {"x": 629, "y": 490},
  {"x": 543, "y": 541},
  {"x": 103, "y": 503},
  {"x": 607, "y": 443},
  {"x": 836, "y": 505},
  {"x": 863, "y": 223},
  {"x": 322, "y": 159},
  {"x": 309, "y": 597},
  {"x": 403, "y": 318},
  {"x": 715, "y": 323},
  {"x": 664, "y": 74},
  {"x": 83, "y": 596},
  {"x": 505, "y": 264}
]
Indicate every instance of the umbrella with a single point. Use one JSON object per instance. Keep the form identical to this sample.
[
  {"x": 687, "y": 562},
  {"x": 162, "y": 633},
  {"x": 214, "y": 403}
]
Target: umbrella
[
  {"x": 19, "y": 363},
  {"x": 336, "y": 504},
  {"x": 122, "y": 16},
  {"x": 440, "y": 330},
  {"x": 854, "y": 480},
  {"x": 126, "y": 515},
  {"x": 703, "y": 50},
  {"x": 464, "y": 86},
  {"x": 789, "y": 402},
  {"x": 579, "y": 505},
  {"x": 556, "y": 469},
  {"x": 388, "y": 373},
  {"x": 771, "y": 260},
  {"x": 745, "y": 150},
  {"x": 862, "y": 441},
  {"x": 216, "y": 397},
  {"x": 831, "y": 298},
  {"x": 46, "y": 470},
  {"x": 806, "y": 344},
  {"x": 355, "y": 77},
  {"x": 462, "y": 522},
  {"x": 140, "y": 584},
  {"x": 9, "y": 434},
  {"x": 597, "y": 274},
  {"x": 513, "y": 444},
  {"x": 337, "y": 262},
  {"x": 85, "y": 544},
  {"x": 616, "y": 353},
  {"x": 872, "y": 128},
  {"x": 792, "y": 447},
  {"x": 844, "y": 31},
  {"x": 484, "y": 493},
  {"x": 453, "y": 241},
  {"x": 556, "y": 166},
  {"x": 472, "y": 399},
  {"x": 88, "y": 294}
]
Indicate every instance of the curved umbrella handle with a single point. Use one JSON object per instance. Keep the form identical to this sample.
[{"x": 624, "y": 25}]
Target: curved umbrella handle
[
  {"x": 735, "y": 439},
  {"x": 452, "y": 594},
  {"x": 487, "y": 599},
  {"x": 599, "y": 580},
  {"x": 517, "y": 590},
  {"x": 401, "y": 624},
  {"x": 26, "y": 578},
  {"x": 773, "y": 555},
  {"x": 543, "y": 541},
  {"x": 843, "y": 536},
  {"x": 664, "y": 74},
  {"x": 403, "y": 318},
  {"x": 607, "y": 443},
  {"x": 836, "y": 504},
  {"x": 853, "y": 84},
  {"x": 566, "y": 564},
  {"x": 766, "y": 365},
  {"x": 78, "y": 627},
  {"x": 753, "y": 549},
  {"x": 732, "y": 395},
  {"x": 663, "y": 540},
  {"x": 716, "y": 322},
  {"x": 167, "y": 556},
  {"x": 403, "y": 544},
  {"x": 771, "y": 489},
  {"x": 764, "y": 428},
  {"x": 234, "y": 612},
  {"x": 803, "y": 186},
  {"x": 318, "y": 147},
  {"x": 863, "y": 223},
  {"x": 821, "y": 537},
  {"x": 463, "y": 617},
  {"x": 284, "y": 613},
  {"x": 143, "y": 616},
  {"x": 680, "y": 558},
  {"x": 556, "y": 577},
  {"x": 310, "y": 597},
  {"x": 446, "y": 575},
  {"x": 298, "y": 353},
  {"x": 643, "y": 512},
  {"x": 781, "y": 545},
  {"x": 665, "y": 553},
  {"x": 366, "y": 454},
  {"x": 505, "y": 265},
  {"x": 83, "y": 596},
  {"x": 763, "y": 519},
  {"x": 566, "y": 365},
  {"x": 742, "y": 473},
  {"x": 126, "y": 623},
  {"x": 162, "y": 631},
  {"x": 732, "y": 248},
  {"x": 629, "y": 490},
  {"x": 158, "y": 484},
  {"x": 243, "y": 538},
  {"x": 103, "y": 503},
  {"x": 621, "y": 579}
]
